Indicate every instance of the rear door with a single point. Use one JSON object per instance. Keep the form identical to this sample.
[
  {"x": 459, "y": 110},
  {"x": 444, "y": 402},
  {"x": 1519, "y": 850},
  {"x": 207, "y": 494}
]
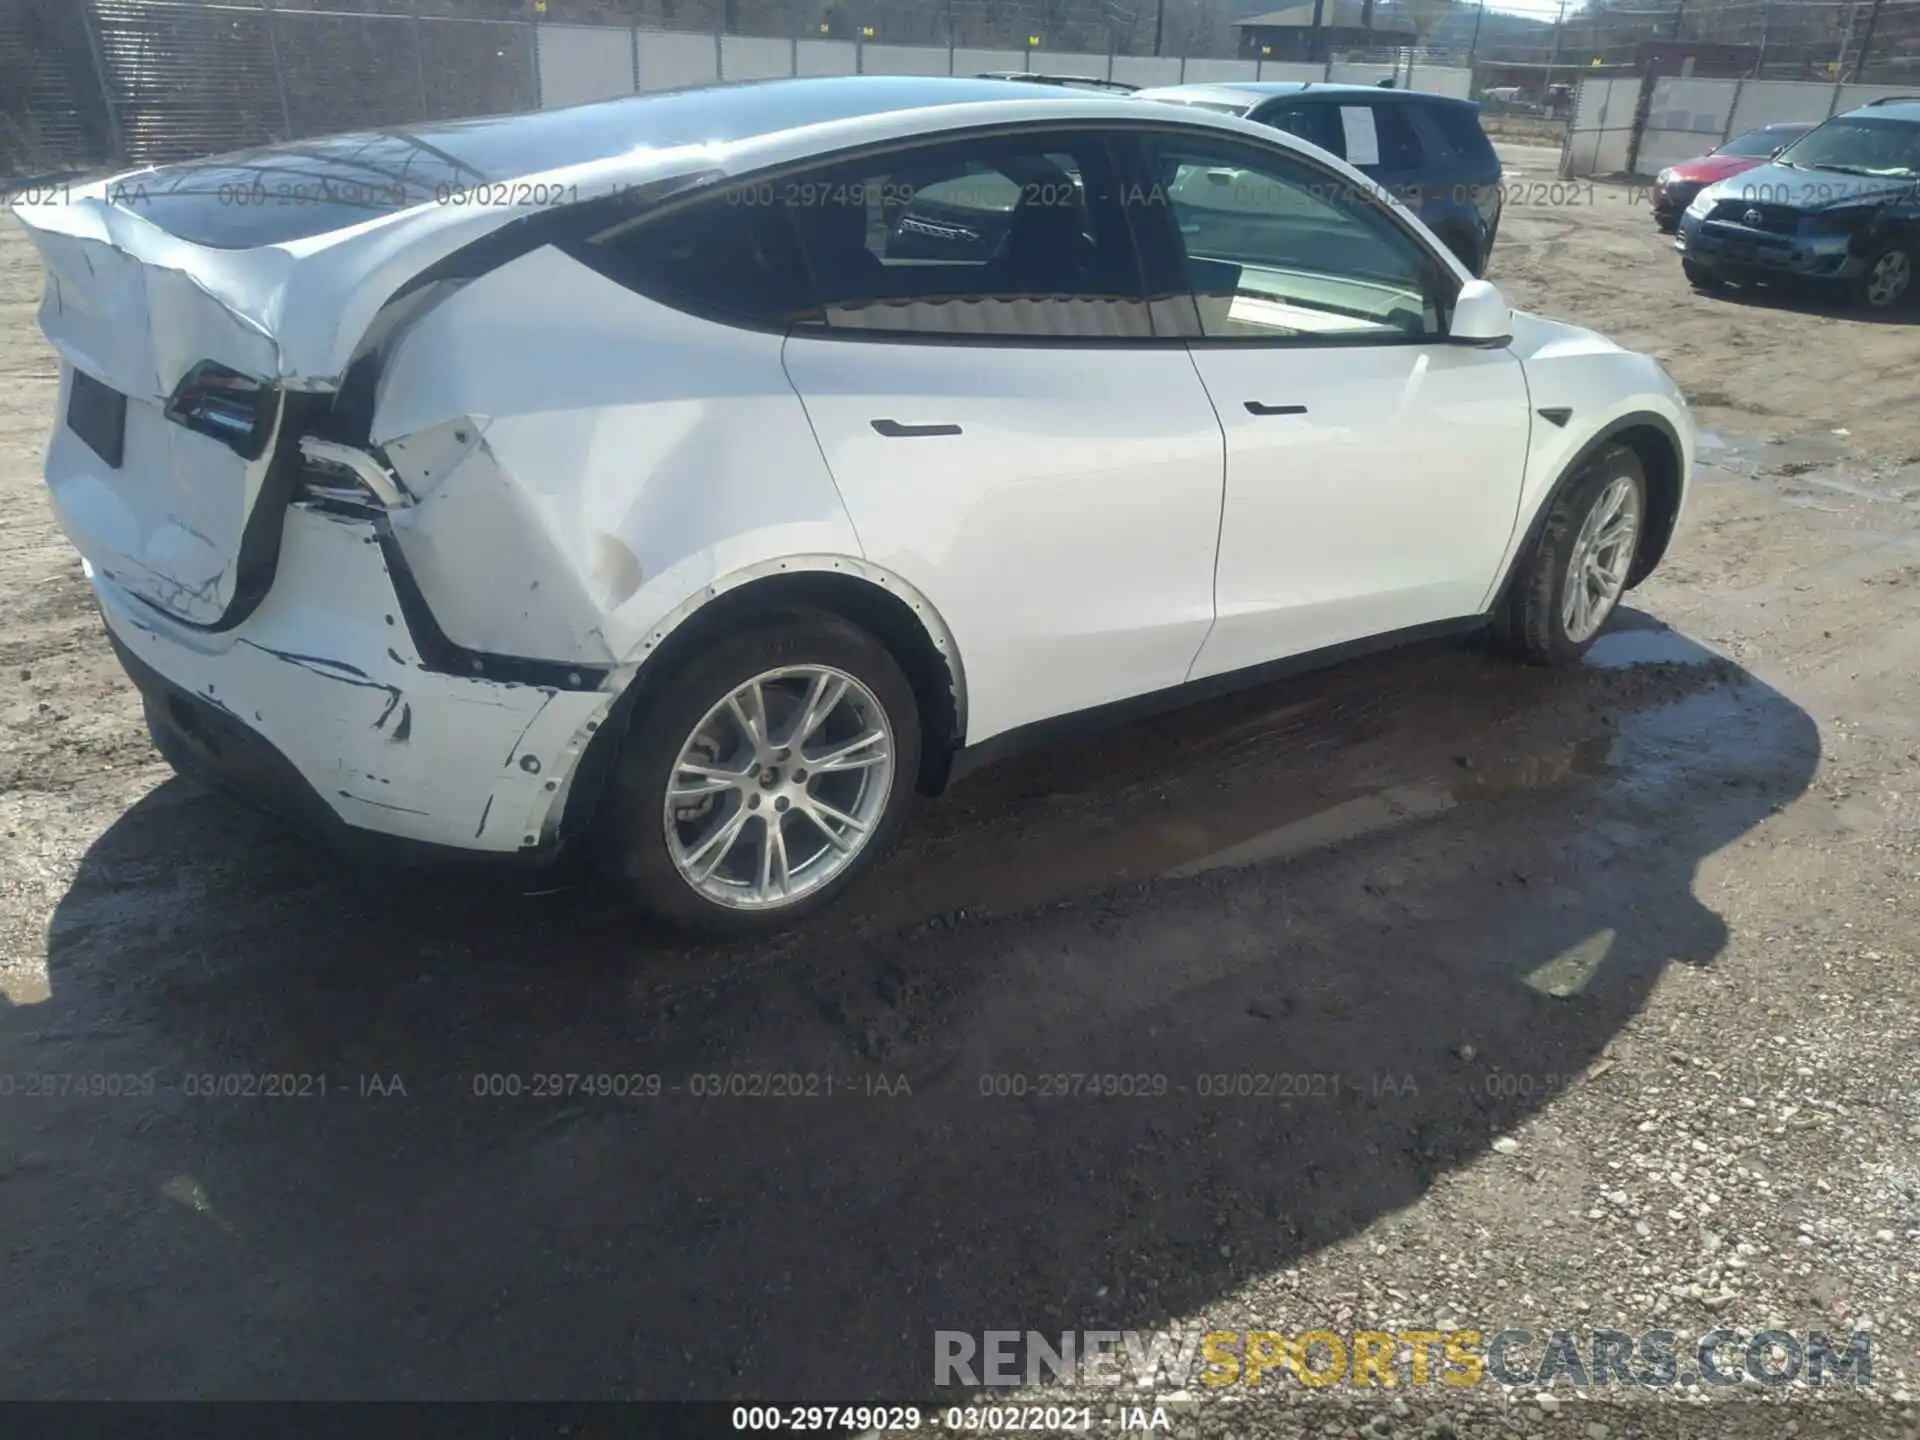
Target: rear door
[{"x": 1006, "y": 432}]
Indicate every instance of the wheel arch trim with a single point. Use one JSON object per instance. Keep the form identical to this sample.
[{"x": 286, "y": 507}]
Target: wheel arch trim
[
  {"x": 654, "y": 655},
  {"x": 1653, "y": 546}
]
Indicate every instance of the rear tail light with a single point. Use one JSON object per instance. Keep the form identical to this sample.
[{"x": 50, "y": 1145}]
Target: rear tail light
[
  {"x": 226, "y": 405},
  {"x": 341, "y": 474}
]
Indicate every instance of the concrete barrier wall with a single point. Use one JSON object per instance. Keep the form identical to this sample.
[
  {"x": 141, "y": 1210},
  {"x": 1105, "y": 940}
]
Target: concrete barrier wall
[
  {"x": 826, "y": 57},
  {"x": 667, "y": 60},
  {"x": 752, "y": 57},
  {"x": 1146, "y": 70},
  {"x": 579, "y": 63}
]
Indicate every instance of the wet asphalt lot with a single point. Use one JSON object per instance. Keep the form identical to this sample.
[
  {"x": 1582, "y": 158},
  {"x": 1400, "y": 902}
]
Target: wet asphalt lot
[{"x": 1425, "y": 900}]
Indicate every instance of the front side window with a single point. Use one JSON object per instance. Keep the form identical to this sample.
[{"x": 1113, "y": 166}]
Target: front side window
[
  {"x": 1274, "y": 249},
  {"x": 990, "y": 236}
]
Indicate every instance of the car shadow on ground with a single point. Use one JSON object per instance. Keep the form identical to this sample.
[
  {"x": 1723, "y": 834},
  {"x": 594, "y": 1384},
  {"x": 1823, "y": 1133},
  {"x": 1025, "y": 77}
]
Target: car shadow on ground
[
  {"x": 1308, "y": 949},
  {"x": 1805, "y": 299}
]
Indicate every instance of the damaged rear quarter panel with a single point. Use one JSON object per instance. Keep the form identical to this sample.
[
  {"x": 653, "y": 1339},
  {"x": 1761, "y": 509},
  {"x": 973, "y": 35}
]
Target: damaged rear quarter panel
[
  {"x": 337, "y": 687},
  {"x": 618, "y": 456}
]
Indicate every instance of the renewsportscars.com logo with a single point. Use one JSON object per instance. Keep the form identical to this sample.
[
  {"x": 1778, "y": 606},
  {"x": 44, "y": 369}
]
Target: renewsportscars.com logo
[{"x": 1216, "y": 1359}]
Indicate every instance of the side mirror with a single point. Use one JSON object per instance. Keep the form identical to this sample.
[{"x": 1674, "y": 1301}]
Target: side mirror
[
  {"x": 1776, "y": 151},
  {"x": 1481, "y": 316}
]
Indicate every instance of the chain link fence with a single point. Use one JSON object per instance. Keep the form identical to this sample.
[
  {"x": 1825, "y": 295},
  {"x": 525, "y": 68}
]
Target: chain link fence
[{"x": 89, "y": 83}]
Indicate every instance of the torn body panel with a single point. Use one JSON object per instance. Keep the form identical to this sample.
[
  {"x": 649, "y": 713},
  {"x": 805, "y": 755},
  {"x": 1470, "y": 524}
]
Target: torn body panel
[
  {"x": 584, "y": 460},
  {"x": 325, "y": 672}
]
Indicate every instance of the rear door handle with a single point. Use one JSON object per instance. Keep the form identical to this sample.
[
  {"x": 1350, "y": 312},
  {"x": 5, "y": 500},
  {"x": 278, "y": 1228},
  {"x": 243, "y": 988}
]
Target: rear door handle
[
  {"x": 894, "y": 430},
  {"x": 1254, "y": 407}
]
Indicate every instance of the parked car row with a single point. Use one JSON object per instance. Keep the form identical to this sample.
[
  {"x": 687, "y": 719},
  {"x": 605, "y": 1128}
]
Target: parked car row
[{"x": 1833, "y": 206}]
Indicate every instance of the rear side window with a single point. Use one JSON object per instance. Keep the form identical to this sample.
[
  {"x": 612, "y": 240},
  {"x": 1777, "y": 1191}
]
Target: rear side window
[
  {"x": 1315, "y": 124},
  {"x": 1399, "y": 140},
  {"x": 1005, "y": 236},
  {"x": 720, "y": 256},
  {"x": 1459, "y": 126}
]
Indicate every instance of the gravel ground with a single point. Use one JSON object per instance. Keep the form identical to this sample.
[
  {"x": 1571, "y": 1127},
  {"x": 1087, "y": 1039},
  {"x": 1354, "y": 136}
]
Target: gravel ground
[{"x": 1590, "y": 996}]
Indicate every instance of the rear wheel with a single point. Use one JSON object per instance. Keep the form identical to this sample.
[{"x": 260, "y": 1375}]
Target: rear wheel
[
  {"x": 769, "y": 774},
  {"x": 1568, "y": 586},
  {"x": 1466, "y": 251}
]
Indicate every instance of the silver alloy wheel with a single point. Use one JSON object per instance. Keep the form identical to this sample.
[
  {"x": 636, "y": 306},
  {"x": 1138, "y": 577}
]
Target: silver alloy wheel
[
  {"x": 779, "y": 787},
  {"x": 1597, "y": 569},
  {"x": 1892, "y": 273}
]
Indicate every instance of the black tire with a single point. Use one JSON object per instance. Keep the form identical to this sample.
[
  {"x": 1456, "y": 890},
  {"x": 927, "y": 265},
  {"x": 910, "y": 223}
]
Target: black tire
[
  {"x": 631, "y": 839},
  {"x": 1699, "y": 276},
  {"x": 1467, "y": 253},
  {"x": 1872, "y": 291},
  {"x": 1529, "y": 625}
]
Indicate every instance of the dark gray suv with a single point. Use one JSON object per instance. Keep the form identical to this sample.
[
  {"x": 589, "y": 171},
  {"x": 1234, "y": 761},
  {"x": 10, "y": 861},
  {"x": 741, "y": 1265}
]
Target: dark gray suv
[
  {"x": 1840, "y": 207},
  {"x": 1427, "y": 150}
]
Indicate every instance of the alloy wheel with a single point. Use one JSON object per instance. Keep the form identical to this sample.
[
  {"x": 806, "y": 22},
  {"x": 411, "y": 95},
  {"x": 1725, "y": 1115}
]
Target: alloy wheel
[
  {"x": 1889, "y": 279},
  {"x": 1602, "y": 553},
  {"x": 779, "y": 787}
]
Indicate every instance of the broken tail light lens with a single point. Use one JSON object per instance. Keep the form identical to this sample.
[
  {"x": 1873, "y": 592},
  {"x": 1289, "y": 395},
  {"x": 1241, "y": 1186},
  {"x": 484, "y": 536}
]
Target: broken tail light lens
[{"x": 226, "y": 405}]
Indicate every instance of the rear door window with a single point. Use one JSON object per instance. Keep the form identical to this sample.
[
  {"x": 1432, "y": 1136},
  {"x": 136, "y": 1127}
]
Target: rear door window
[{"x": 987, "y": 236}]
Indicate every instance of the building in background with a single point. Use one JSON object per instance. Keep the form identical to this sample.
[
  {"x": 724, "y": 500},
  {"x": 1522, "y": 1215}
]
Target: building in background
[{"x": 1343, "y": 25}]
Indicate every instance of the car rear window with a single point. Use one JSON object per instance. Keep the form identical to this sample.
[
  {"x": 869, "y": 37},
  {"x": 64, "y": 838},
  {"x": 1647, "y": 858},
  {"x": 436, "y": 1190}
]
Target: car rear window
[
  {"x": 311, "y": 187},
  {"x": 291, "y": 192},
  {"x": 1459, "y": 126}
]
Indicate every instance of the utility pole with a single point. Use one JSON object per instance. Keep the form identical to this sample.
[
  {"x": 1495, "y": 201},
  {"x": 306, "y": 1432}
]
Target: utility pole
[
  {"x": 1159, "y": 23},
  {"x": 1866, "y": 41},
  {"x": 1846, "y": 38},
  {"x": 1473, "y": 45},
  {"x": 1558, "y": 25},
  {"x": 1679, "y": 14}
]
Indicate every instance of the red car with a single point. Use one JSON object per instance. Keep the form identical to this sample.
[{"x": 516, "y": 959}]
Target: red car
[{"x": 1675, "y": 187}]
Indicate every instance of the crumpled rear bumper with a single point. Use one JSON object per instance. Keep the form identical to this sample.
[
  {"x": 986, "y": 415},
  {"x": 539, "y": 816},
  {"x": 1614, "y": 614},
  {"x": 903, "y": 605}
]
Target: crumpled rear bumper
[{"x": 320, "y": 708}]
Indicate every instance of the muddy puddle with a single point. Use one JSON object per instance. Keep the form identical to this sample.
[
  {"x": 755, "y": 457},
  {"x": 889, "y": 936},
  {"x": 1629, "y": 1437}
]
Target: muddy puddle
[{"x": 1362, "y": 751}]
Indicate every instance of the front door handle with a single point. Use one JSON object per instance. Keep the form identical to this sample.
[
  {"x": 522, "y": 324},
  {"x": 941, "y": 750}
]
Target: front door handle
[
  {"x": 894, "y": 430},
  {"x": 1254, "y": 407}
]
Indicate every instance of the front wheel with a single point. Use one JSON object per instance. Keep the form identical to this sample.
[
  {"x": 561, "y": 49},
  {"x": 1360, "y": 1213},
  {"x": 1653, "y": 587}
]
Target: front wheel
[
  {"x": 770, "y": 772},
  {"x": 1888, "y": 279},
  {"x": 1568, "y": 585},
  {"x": 1699, "y": 276}
]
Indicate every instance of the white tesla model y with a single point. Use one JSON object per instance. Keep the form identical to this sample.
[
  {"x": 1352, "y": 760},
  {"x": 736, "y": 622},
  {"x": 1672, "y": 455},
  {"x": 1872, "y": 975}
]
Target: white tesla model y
[{"x": 697, "y": 476}]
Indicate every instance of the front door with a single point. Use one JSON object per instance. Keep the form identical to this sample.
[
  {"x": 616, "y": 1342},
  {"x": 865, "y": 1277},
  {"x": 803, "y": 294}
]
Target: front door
[{"x": 1373, "y": 469}]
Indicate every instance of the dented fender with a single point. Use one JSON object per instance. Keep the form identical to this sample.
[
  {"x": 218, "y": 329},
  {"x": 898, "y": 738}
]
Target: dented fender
[{"x": 585, "y": 461}]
